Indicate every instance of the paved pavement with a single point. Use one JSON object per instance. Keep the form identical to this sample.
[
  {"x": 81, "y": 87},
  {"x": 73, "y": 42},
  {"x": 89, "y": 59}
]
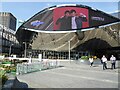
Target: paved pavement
[{"x": 71, "y": 75}]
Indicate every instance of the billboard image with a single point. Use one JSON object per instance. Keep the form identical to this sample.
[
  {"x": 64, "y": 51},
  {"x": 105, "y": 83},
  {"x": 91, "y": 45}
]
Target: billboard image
[{"x": 68, "y": 18}]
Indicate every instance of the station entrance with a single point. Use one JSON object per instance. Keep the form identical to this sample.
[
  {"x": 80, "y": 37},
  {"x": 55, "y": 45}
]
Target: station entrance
[{"x": 47, "y": 54}]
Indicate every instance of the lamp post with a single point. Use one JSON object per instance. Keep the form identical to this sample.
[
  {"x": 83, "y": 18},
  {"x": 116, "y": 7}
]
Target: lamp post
[
  {"x": 69, "y": 50},
  {"x": 118, "y": 37},
  {"x": 10, "y": 49},
  {"x": 25, "y": 49}
]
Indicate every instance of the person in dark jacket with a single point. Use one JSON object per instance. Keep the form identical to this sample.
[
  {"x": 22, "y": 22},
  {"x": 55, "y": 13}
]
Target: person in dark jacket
[
  {"x": 76, "y": 20},
  {"x": 64, "y": 21}
]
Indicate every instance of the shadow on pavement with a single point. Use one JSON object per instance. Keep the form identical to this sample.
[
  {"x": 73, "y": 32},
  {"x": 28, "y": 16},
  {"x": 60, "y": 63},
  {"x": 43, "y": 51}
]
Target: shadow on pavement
[
  {"x": 18, "y": 84},
  {"x": 118, "y": 67}
]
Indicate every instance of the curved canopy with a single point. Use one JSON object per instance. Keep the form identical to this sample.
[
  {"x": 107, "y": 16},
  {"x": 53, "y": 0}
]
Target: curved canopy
[
  {"x": 67, "y": 17},
  {"x": 43, "y": 31},
  {"x": 101, "y": 38}
]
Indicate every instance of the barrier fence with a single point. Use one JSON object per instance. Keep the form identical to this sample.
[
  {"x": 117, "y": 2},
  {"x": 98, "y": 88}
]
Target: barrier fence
[{"x": 36, "y": 66}]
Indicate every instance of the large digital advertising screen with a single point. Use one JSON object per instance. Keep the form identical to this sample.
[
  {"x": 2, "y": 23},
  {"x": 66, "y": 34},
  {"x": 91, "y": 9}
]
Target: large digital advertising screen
[{"x": 68, "y": 18}]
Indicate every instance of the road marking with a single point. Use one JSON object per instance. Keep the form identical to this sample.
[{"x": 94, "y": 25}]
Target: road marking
[
  {"x": 88, "y": 70},
  {"x": 92, "y": 71},
  {"x": 83, "y": 77}
]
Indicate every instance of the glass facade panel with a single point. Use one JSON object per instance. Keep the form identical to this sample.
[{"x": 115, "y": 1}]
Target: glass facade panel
[{"x": 46, "y": 54}]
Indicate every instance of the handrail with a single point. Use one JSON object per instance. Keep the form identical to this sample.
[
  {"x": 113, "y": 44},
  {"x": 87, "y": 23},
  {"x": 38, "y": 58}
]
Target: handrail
[{"x": 36, "y": 66}]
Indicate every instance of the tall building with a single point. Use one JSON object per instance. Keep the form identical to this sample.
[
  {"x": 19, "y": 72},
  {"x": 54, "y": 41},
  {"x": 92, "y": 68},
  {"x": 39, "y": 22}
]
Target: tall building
[
  {"x": 116, "y": 14},
  {"x": 8, "y": 20},
  {"x": 8, "y": 42}
]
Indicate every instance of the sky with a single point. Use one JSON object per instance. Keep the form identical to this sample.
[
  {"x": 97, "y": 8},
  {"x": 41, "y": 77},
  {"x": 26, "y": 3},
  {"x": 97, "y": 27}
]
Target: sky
[{"x": 24, "y": 10}]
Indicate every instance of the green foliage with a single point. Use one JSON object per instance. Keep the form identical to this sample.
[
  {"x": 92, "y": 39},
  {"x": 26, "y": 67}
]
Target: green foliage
[
  {"x": 5, "y": 54},
  {"x": 1, "y": 65},
  {"x": 13, "y": 69},
  {"x": 3, "y": 76},
  {"x": 8, "y": 69},
  {"x": 4, "y": 79},
  {"x": 85, "y": 57},
  {"x": 6, "y": 62},
  {"x": 2, "y": 72}
]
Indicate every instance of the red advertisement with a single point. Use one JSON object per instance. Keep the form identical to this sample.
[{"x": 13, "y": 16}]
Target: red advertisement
[{"x": 70, "y": 18}]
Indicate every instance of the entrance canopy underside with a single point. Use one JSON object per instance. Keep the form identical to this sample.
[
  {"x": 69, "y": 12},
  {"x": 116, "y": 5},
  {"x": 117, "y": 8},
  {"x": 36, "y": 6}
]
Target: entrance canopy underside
[{"x": 99, "y": 38}]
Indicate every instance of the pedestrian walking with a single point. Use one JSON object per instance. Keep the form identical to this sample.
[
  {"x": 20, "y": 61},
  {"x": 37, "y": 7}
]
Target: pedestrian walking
[
  {"x": 113, "y": 62},
  {"x": 104, "y": 60},
  {"x": 91, "y": 61}
]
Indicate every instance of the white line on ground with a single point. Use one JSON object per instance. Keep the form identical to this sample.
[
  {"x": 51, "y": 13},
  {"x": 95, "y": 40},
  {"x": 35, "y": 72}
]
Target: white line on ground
[
  {"x": 83, "y": 77},
  {"x": 92, "y": 71}
]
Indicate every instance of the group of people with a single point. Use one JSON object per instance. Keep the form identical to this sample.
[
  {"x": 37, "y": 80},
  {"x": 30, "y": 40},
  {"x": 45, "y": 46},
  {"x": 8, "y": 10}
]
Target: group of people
[
  {"x": 71, "y": 20},
  {"x": 104, "y": 61}
]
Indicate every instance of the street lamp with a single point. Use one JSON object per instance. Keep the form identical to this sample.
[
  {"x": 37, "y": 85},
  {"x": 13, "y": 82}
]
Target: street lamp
[
  {"x": 118, "y": 37},
  {"x": 69, "y": 50},
  {"x": 25, "y": 49},
  {"x": 10, "y": 49}
]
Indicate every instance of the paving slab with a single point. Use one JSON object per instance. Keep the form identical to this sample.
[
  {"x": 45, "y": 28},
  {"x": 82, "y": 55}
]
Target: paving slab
[{"x": 72, "y": 75}]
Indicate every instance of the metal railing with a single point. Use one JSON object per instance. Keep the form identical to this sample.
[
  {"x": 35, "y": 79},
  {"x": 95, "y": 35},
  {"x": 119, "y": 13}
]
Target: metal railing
[{"x": 36, "y": 66}]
